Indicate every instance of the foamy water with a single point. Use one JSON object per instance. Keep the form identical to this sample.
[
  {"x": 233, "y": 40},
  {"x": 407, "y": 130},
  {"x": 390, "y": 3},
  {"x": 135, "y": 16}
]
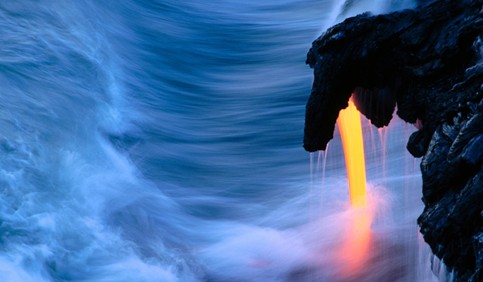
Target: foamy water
[{"x": 161, "y": 141}]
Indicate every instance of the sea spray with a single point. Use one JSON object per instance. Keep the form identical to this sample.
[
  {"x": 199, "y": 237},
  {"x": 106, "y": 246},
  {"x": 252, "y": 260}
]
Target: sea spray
[{"x": 146, "y": 141}]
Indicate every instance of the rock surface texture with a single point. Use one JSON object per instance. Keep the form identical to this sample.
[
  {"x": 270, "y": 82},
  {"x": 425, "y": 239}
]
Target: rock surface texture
[{"x": 428, "y": 64}]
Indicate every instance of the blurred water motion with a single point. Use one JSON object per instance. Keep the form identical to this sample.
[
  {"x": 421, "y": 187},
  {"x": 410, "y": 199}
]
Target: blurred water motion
[{"x": 161, "y": 141}]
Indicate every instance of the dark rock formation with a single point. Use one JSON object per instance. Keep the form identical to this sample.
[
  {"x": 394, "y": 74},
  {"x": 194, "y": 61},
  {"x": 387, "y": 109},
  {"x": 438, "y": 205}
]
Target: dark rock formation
[{"x": 427, "y": 63}]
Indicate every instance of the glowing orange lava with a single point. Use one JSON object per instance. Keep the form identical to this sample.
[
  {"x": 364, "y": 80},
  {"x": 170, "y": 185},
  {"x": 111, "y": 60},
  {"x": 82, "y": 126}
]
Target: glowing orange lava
[
  {"x": 354, "y": 252},
  {"x": 349, "y": 124}
]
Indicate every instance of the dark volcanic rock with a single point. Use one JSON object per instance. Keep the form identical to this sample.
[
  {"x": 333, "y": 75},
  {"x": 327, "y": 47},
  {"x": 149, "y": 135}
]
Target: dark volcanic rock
[{"x": 427, "y": 63}]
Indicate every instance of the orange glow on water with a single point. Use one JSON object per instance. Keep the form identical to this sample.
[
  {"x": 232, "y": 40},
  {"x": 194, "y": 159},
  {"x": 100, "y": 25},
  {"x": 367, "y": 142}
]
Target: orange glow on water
[
  {"x": 349, "y": 124},
  {"x": 354, "y": 254}
]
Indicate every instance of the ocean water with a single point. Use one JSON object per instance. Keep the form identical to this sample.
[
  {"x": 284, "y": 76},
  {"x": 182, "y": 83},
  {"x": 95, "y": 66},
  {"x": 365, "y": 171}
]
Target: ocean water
[{"x": 162, "y": 141}]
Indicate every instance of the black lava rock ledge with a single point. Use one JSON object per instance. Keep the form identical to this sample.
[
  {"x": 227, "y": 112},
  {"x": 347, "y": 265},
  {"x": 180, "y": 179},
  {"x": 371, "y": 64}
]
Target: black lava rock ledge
[{"x": 428, "y": 64}]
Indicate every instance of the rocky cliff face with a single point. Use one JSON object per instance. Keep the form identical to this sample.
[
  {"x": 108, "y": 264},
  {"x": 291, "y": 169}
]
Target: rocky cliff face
[{"x": 428, "y": 64}]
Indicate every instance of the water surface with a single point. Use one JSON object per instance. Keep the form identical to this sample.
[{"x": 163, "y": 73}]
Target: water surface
[{"x": 161, "y": 141}]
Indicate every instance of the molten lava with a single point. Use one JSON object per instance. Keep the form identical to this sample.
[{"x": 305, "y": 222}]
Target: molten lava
[
  {"x": 354, "y": 252},
  {"x": 349, "y": 124}
]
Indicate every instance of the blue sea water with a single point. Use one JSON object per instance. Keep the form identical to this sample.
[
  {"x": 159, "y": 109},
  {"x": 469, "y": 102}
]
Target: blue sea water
[{"x": 161, "y": 141}]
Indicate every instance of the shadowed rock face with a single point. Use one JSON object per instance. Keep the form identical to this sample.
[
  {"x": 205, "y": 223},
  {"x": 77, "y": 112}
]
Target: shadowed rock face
[
  {"x": 427, "y": 63},
  {"x": 407, "y": 57}
]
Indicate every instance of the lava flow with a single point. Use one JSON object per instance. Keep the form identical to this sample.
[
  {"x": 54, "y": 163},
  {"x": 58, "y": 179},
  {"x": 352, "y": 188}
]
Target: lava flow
[
  {"x": 354, "y": 252},
  {"x": 349, "y": 124}
]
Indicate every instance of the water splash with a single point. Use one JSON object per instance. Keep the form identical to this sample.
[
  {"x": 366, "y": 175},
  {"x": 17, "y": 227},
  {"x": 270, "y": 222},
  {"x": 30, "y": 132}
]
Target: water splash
[{"x": 356, "y": 244}]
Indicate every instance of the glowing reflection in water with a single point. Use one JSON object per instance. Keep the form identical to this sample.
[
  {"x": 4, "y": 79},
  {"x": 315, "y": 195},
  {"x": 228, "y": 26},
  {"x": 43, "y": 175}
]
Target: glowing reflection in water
[{"x": 356, "y": 244}]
